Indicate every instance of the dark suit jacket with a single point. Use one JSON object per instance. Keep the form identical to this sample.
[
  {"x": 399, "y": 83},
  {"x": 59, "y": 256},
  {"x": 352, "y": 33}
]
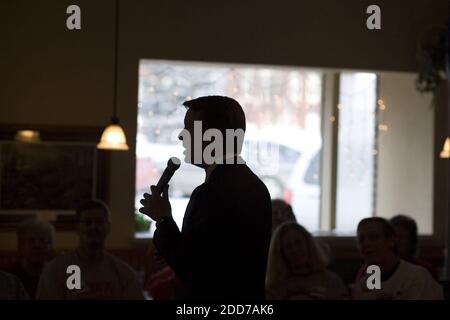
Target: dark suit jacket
[{"x": 222, "y": 250}]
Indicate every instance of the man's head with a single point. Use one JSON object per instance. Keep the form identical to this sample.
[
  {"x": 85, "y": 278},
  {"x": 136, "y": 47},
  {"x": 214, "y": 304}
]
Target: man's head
[
  {"x": 35, "y": 241},
  {"x": 281, "y": 212},
  {"x": 93, "y": 222},
  {"x": 221, "y": 114},
  {"x": 376, "y": 240},
  {"x": 407, "y": 235}
]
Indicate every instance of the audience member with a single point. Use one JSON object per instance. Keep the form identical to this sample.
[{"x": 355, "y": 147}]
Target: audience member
[
  {"x": 400, "y": 280},
  {"x": 35, "y": 247},
  {"x": 408, "y": 241},
  {"x": 297, "y": 267},
  {"x": 161, "y": 282},
  {"x": 281, "y": 212},
  {"x": 103, "y": 276},
  {"x": 11, "y": 288}
]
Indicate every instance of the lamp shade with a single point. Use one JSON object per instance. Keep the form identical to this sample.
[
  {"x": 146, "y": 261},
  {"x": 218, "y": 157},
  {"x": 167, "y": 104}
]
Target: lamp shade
[
  {"x": 445, "y": 153},
  {"x": 29, "y": 136},
  {"x": 113, "y": 138}
]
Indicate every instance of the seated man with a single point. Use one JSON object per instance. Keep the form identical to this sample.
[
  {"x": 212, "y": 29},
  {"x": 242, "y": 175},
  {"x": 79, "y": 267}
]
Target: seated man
[
  {"x": 102, "y": 275},
  {"x": 407, "y": 235},
  {"x": 11, "y": 288},
  {"x": 35, "y": 246},
  {"x": 400, "y": 280}
]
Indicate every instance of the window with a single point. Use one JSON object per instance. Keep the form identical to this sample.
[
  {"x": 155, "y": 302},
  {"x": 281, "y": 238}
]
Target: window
[
  {"x": 283, "y": 111},
  {"x": 290, "y": 119},
  {"x": 356, "y": 144}
]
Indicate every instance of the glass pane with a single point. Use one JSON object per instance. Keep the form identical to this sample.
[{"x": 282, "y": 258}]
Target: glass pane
[
  {"x": 357, "y": 98},
  {"x": 282, "y": 140}
]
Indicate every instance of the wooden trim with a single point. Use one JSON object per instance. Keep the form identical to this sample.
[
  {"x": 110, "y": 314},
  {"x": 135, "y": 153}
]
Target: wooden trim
[{"x": 335, "y": 151}]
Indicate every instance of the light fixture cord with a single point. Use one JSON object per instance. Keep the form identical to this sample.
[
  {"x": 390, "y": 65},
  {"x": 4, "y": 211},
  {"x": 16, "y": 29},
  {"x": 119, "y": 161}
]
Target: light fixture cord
[{"x": 116, "y": 53}]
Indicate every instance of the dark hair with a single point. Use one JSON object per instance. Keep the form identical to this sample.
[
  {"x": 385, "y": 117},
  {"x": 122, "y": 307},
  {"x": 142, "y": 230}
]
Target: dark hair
[
  {"x": 218, "y": 112},
  {"x": 410, "y": 225},
  {"x": 93, "y": 204},
  {"x": 285, "y": 208},
  {"x": 388, "y": 229}
]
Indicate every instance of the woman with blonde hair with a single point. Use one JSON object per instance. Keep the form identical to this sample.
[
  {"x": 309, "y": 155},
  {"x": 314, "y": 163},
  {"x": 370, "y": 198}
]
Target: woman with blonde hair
[{"x": 297, "y": 267}]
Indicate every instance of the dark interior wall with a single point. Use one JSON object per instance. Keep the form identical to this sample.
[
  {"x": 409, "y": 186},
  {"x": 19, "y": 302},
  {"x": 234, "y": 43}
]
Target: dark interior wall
[
  {"x": 306, "y": 33},
  {"x": 50, "y": 75}
]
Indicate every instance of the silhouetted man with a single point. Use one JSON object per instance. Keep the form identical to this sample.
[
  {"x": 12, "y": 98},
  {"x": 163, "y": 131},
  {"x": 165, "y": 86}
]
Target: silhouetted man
[{"x": 221, "y": 251}]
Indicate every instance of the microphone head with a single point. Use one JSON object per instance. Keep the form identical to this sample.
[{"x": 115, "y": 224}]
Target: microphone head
[{"x": 173, "y": 163}]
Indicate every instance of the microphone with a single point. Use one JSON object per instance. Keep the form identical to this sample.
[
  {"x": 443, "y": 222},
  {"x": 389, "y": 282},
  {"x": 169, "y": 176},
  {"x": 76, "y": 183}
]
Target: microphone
[{"x": 172, "y": 165}]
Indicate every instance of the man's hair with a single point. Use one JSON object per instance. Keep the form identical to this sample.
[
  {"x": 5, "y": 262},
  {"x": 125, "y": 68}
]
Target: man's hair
[
  {"x": 388, "y": 229},
  {"x": 34, "y": 226},
  {"x": 410, "y": 225},
  {"x": 218, "y": 112},
  {"x": 93, "y": 204}
]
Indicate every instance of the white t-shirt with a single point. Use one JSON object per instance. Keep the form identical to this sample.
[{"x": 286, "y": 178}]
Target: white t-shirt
[
  {"x": 409, "y": 282},
  {"x": 110, "y": 278}
]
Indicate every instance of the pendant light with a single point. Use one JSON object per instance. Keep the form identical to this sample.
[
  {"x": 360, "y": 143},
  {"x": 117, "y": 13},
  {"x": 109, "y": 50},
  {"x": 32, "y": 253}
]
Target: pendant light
[
  {"x": 113, "y": 137},
  {"x": 445, "y": 153}
]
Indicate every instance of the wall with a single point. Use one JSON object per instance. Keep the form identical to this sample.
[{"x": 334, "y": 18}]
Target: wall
[
  {"x": 49, "y": 75},
  {"x": 406, "y": 151}
]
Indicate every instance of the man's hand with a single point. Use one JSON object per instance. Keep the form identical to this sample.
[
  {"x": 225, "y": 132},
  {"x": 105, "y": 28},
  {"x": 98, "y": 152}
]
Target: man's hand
[{"x": 155, "y": 206}]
